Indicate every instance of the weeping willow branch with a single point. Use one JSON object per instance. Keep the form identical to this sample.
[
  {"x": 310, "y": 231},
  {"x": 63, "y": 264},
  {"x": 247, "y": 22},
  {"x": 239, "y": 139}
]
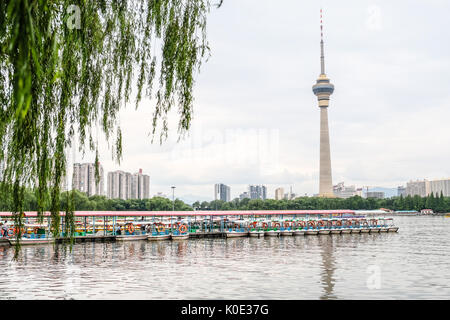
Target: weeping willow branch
[{"x": 68, "y": 66}]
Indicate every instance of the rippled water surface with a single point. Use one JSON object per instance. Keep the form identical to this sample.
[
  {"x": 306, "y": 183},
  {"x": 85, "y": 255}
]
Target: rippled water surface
[{"x": 411, "y": 264}]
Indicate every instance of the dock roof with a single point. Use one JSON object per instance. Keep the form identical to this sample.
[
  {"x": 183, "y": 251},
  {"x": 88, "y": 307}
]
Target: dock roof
[{"x": 188, "y": 213}]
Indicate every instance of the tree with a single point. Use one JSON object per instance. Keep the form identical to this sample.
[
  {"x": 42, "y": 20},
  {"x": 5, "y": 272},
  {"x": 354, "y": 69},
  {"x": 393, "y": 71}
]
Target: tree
[
  {"x": 68, "y": 66},
  {"x": 196, "y": 205}
]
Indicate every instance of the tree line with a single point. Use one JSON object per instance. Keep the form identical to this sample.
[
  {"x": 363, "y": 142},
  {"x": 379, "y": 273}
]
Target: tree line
[
  {"x": 434, "y": 202},
  {"x": 82, "y": 202},
  {"x": 100, "y": 203}
]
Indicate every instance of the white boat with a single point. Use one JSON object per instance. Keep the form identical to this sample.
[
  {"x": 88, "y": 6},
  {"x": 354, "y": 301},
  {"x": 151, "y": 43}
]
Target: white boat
[
  {"x": 131, "y": 237},
  {"x": 182, "y": 236},
  {"x": 355, "y": 230},
  {"x": 256, "y": 233},
  {"x": 271, "y": 233},
  {"x": 30, "y": 241},
  {"x": 158, "y": 237},
  {"x": 286, "y": 233},
  {"x": 375, "y": 230},
  {"x": 335, "y": 231},
  {"x": 235, "y": 234},
  {"x": 299, "y": 232},
  {"x": 383, "y": 229},
  {"x": 346, "y": 230},
  {"x": 311, "y": 232},
  {"x": 324, "y": 231},
  {"x": 365, "y": 230},
  {"x": 390, "y": 225}
]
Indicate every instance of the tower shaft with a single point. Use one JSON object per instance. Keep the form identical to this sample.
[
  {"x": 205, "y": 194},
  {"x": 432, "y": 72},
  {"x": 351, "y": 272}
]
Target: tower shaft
[
  {"x": 325, "y": 182},
  {"x": 323, "y": 89}
]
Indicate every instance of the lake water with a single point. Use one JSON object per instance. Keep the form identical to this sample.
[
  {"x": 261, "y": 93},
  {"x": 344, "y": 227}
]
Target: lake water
[{"x": 411, "y": 264}]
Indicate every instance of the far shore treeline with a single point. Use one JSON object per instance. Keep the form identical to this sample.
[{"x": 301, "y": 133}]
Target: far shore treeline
[{"x": 100, "y": 203}]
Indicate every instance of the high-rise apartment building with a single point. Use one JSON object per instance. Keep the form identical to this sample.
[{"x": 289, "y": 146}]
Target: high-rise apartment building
[
  {"x": 221, "y": 192},
  {"x": 424, "y": 188},
  {"x": 119, "y": 185},
  {"x": 124, "y": 185},
  {"x": 279, "y": 194},
  {"x": 257, "y": 192},
  {"x": 84, "y": 179}
]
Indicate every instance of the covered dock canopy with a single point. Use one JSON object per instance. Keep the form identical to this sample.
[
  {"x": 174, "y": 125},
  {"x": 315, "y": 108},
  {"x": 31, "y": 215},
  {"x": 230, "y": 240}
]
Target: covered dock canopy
[{"x": 190, "y": 213}]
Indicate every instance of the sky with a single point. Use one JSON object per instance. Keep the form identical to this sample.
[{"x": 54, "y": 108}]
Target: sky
[{"x": 256, "y": 120}]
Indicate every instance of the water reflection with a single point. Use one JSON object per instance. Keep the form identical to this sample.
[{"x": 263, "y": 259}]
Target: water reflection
[
  {"x": 328, "y": 265},
  {"x": 310, "y": 267}
]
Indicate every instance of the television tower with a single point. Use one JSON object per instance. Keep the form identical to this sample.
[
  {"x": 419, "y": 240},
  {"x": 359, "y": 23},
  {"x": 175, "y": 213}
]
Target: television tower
[{"x": 323, "y": 89}]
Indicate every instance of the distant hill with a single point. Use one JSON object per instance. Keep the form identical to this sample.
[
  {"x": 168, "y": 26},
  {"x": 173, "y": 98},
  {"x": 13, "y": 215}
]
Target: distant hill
[
  {"x": 190, "y": 198},
  {"x": 388, "y": 192}
]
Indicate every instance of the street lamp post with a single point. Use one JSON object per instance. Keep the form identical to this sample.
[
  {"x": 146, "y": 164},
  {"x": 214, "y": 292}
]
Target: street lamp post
[{"x": 173, "y": 198}]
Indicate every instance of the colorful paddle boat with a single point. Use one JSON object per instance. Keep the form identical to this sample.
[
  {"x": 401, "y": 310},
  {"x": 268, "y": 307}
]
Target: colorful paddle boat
[
  {"x": 180, "y": 233},
  {"x": 286, "y": 228},
  {"x": 237, "y": 229},
  {"x": 32, "y": 234},
  {"x": 311, "y": 228},
  {"x": 158, "y": 232},
  {"x": 132, "y": 231},
  {"x": 301, "y": 228},
  {"x": 255, "y": 230},
  {"x": 373, "y": 225},
  {"x": 323, "y": 226}
]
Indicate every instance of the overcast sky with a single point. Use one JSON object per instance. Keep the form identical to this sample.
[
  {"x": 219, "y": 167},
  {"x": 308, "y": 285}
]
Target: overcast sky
[{"x": 256, "y": 120}]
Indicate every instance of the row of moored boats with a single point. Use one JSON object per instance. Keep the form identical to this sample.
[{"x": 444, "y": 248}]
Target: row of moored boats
[{"x": 180, "y": 230}]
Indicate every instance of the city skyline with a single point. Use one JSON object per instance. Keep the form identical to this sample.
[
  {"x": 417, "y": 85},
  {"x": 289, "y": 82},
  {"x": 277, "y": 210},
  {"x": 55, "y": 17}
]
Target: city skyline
[
  {"x": 390, "y": 107},
  {"x": 85, "y": 176}
]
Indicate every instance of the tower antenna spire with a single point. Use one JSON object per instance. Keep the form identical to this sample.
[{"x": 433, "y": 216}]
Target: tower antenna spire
[{"x": 322, "y": 55}]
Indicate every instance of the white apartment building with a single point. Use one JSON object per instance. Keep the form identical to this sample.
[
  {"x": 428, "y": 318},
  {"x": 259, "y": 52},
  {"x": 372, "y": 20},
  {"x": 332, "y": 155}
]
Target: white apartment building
[
  {"x": 425, "y": 187},
  {"x": 279, "y": 194},
  {"x": 84, "y": 179},
  {"x": 124, "y": 185}
]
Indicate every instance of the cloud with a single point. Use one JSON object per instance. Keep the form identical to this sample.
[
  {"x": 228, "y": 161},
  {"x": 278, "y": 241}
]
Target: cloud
[{"x": 256, "y": 120}]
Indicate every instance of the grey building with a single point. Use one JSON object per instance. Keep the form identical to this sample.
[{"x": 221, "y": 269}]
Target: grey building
[
  {"x": 424, "y": 188},
  {"x": 418, "y": 188},
  {"x": 342, "y": 191},
  {"x": 140, "y": 187},
  {"x": 124, "y": 185},
  {"x": 244, "y": 195},
  {"x": 222, "y": 192},
  {"x": 257, "y": 192},
  {"x": 119, "y": 185},
  {"x": 84, "y": 179},
  {"x": 375, "y": 195}
]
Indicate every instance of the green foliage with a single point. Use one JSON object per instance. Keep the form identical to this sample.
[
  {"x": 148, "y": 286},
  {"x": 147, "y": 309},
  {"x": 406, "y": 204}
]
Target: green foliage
[
  {"x": 438, "y": 204},
  {"x": 68, "y": 66},
  {"x": 81, "y": 202}
]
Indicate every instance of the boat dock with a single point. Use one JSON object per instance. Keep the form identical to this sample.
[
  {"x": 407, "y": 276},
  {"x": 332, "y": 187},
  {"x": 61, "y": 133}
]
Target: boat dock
[{"x": 103, "y": 226}]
